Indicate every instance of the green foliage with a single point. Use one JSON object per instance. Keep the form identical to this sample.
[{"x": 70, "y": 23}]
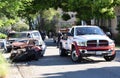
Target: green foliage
[
  {"x": 104, "y": 9},
  {"x": 4, "y": 21},
  {"x": 66, "y": 17},
  {"x": 86, "y": 9},
  {"x": 20, "y": 26},
  {"x": 89, "y": 9},
  {"x": 3, "y": 66},
  {"x": 50, "y": 13},
  {"x": 9, "y": 9},
  {"x": 50, "y": 26},
  {"x": 2, "y": 36}
]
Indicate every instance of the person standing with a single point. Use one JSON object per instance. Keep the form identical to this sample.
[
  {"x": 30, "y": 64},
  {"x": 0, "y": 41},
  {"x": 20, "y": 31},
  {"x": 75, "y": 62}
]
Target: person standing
[{"x": 59, "y": 38}]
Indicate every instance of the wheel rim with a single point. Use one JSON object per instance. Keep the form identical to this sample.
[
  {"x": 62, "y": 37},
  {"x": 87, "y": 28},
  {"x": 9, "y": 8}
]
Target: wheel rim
[{"x": 74, "y": 56}]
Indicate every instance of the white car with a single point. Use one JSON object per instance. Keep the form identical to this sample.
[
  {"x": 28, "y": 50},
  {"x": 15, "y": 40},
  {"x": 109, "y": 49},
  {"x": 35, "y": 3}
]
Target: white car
[
  {"x": 35, "y": 35},
  {"x": 2, "y": 44},
  {"x": 17, "y": 36}
]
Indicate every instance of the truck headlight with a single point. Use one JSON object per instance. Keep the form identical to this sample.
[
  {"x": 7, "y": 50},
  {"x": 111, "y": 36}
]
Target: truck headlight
[
  {"x": 81, "y": 43},
  {"x": 111, "y": 43}
]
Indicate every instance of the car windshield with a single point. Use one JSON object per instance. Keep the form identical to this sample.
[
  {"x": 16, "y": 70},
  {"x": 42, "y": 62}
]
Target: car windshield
[
  {"x": 89, "y": 30},
  {"x": 17, "y": 35},
  {"x": 36, "y": 34}
]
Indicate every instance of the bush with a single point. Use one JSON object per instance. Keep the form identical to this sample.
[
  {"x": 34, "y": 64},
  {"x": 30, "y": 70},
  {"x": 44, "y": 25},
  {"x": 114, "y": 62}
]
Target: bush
[
  {"x": 20, "y": 26},
  {"x": 3, "y": 66},
  {"x": 2, "y": 36}
]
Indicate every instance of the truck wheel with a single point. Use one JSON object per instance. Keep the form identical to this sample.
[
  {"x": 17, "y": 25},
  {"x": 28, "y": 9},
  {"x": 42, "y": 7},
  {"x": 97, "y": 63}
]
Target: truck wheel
[
  {"x": 62, "y": 51},
  {"x": 74, "y": 56},
  {"x": 109, "y": 58}
]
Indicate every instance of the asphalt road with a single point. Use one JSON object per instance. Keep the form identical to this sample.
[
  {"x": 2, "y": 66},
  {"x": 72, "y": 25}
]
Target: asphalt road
[{"x": 54, "y": 66}]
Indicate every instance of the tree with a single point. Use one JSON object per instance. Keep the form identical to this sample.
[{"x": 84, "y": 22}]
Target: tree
[
  {"x": 20, "y": 26},
  {"x": 30, "y": 9},
  {"x": 41, "y": 8},
  {"x": 9, "y": 9},
  {"x": 89, "y": 9}
]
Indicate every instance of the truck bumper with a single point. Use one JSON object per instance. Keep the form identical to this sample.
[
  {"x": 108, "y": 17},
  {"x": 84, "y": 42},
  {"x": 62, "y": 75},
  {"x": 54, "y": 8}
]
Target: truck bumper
[{"x": 97, "y": 51}]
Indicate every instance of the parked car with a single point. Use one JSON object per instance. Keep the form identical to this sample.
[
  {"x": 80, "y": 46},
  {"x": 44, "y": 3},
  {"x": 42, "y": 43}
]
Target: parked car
[
  {"x": 11, "y": 37},
  {"x": 35, "y": 35},
  {"x": 15, "y": 36},
  {"x": 2, "y": 44},
  {"x": 26, "y": 50}
]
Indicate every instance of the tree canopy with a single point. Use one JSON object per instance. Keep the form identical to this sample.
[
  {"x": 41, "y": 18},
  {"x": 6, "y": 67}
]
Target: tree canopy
[
  {"x": 89, "y": 9},
  {"x": 9, "y": 10},
  {"x": 86, "y": 9}
]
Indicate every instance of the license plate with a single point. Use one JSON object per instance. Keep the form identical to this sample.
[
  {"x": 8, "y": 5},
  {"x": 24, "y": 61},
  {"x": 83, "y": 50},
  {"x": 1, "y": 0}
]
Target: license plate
[{"x": 98, "y": 53}]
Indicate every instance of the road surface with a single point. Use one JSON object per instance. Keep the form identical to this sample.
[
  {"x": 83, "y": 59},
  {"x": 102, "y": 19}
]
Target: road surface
[{"x": 54, "y": 66}]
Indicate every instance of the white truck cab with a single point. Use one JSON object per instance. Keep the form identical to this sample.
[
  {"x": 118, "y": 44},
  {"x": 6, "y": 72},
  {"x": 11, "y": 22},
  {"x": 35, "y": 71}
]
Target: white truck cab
[{"x": 84, "y": 41}]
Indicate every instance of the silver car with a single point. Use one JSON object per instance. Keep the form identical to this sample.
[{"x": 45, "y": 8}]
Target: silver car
[{"x": 17, "y": 36}]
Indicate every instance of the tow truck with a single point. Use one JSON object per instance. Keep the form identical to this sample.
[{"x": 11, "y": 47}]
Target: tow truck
[{"x": 84, "y": 41}]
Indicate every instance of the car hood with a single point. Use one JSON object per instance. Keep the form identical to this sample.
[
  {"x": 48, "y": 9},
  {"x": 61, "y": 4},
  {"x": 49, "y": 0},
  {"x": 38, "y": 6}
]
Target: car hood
[
  {"x": 92, "y": 37},
  {"x": 13, "y": 39}
]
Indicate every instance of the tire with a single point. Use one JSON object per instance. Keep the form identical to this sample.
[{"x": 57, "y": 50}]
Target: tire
[
  {"x": 74, "y": 56},
  {"x": 12, "y": 55},
  {"x": 109, "y": 58},
  {"x": 62, "y": 51},
  {"x": 8, "y": 50},
  {"x": 42, "y": 53},
  {"x": 36, "y": 57}
]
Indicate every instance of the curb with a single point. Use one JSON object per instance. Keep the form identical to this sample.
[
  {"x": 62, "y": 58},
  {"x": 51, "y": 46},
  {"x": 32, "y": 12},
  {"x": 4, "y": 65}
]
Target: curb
[{"x": 13, "y": 72}]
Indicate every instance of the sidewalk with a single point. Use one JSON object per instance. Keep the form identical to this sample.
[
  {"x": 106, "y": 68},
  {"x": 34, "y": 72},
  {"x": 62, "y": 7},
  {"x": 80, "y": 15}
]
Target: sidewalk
[
  {"x": 14, "y": 72},
  {"x": 117, "y": 48}
]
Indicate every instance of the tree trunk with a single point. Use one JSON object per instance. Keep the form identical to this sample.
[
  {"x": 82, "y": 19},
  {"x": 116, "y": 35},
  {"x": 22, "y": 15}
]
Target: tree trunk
[
  {"x": 42, "y": 22},
  {"x": 30, "y": 23}
]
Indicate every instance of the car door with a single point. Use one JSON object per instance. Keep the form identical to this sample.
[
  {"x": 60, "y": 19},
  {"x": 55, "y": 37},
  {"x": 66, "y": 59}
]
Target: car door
[{"x": 70, "y": 39}]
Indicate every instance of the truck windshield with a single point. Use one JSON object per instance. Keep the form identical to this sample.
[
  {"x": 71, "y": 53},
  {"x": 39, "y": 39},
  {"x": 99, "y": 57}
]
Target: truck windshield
[{"x": 89, "y": 30}]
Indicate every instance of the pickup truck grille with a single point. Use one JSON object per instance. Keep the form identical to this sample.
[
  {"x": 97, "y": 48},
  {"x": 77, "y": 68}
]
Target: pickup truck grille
[{"x": 95, "y": 43}]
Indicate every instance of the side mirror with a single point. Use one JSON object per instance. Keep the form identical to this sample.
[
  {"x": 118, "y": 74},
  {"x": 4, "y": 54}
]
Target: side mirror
[{"x": 109, "y": 34}]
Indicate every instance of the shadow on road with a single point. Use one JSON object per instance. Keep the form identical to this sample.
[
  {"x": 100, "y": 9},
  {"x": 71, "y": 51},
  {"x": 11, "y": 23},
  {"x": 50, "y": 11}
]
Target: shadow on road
[
  {"x": 53, "y": 60},
  {"x": 103, "y": 72},
  {"x": 56, "y": 60}
]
